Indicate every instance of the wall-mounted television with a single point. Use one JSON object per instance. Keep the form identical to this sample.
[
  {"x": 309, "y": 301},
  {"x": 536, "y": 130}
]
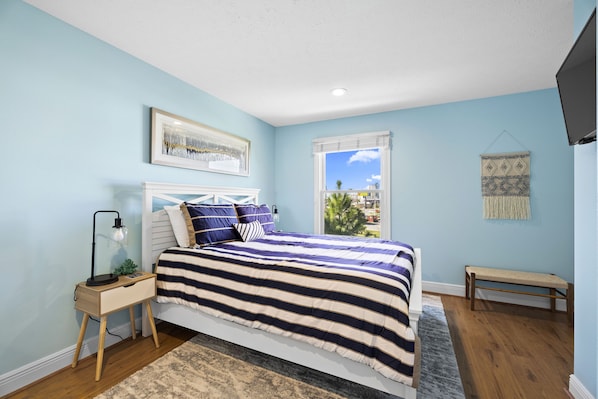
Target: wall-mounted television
[{"x": 576, "y": 81}]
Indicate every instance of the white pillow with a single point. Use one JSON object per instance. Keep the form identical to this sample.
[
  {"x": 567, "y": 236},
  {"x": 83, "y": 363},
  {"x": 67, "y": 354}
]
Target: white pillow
[
  {"x": 250, "y": 231},
  {"x": 179, "y": 225}
]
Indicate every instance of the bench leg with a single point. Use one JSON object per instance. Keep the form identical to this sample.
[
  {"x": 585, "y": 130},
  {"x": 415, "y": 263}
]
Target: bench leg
[
  {"x": 466, "y": 284},
  {"x": 472, "y": 290},
  {"x": 570, "y": 303},
  {"x": 552, "y": 299}
]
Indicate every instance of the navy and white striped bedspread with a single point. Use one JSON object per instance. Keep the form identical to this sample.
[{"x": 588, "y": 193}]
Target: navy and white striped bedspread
[{"x": 342, "y": 294}]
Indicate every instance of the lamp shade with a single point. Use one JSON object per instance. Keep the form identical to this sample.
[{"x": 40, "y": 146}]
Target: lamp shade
[{"x": 119, "y": 232}]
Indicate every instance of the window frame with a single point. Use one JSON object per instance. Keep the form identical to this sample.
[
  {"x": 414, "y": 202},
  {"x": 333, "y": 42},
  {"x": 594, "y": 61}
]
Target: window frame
[{"x": 353, "y": 142}]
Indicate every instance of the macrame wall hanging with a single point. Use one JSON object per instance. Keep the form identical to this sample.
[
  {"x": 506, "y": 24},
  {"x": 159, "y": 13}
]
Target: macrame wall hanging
[{"x": 506, "y": 185}]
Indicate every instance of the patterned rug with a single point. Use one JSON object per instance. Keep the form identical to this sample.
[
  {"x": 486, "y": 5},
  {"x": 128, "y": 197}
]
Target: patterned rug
[{"x": 229, "y": 371}]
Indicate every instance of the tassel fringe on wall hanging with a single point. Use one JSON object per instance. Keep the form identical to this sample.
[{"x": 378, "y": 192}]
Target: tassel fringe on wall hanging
[{"x": 505, "y": 185}]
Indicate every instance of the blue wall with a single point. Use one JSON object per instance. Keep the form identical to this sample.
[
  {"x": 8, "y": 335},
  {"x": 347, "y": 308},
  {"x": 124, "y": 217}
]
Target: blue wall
[
  {"x": 74, "y": 117},
  {"x": 436, "y": 194},
  {"x": 586, "y": 248},
  {"x": 74, "y": 123},
  {"x": 586, "y": 267}
]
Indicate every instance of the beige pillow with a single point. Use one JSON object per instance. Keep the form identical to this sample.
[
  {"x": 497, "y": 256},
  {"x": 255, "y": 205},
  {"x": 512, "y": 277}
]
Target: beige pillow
[{"x": 179, "y": 226}]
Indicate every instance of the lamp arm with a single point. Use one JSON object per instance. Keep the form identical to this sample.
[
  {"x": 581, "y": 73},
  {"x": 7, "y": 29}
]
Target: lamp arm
[{"x": 93, "y": 239}]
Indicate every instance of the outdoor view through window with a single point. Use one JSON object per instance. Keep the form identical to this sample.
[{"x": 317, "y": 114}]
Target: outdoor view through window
[{"x": 353, "y": 193}]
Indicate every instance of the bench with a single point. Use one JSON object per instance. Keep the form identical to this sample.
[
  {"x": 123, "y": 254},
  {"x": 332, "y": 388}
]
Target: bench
[{"x": 555, "y": 285}]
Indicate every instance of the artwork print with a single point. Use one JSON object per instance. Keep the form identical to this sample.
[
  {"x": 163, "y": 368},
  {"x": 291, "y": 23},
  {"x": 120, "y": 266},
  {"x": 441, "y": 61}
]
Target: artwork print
[{"x": 180, "y": 142}]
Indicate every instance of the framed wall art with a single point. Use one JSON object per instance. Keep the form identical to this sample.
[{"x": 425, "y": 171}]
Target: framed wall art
[{"x": 183, "y": 143}]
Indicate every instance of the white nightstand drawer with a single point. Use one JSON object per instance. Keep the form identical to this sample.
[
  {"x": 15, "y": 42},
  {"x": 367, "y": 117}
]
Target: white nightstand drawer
[{"x": 122, "y": 297}]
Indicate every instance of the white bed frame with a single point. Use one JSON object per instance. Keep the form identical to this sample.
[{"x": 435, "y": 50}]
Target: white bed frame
[{"x": 157, "y": 235}]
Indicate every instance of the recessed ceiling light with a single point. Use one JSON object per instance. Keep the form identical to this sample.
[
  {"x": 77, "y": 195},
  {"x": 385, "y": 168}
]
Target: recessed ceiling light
[{"x": 340, "y": 91}]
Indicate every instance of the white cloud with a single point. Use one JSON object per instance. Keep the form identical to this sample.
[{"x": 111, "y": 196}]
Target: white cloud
[
  {"x": 364, "y": 156},
  {"x": 374, "y": 179}
]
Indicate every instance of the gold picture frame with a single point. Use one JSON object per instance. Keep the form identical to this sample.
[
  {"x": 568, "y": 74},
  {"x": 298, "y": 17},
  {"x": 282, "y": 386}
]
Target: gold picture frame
[{"x": 183, "y": 143}]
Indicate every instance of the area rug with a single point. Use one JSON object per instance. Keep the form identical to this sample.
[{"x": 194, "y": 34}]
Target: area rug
[{"x": 229, "y": 371}]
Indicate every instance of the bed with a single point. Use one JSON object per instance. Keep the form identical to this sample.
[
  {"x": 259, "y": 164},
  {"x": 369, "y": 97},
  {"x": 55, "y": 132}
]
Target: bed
[{"x": 302, "y": 342}]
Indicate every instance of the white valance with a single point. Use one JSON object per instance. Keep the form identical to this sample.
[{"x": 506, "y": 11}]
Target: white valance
[{"x": 352, "y": 142}]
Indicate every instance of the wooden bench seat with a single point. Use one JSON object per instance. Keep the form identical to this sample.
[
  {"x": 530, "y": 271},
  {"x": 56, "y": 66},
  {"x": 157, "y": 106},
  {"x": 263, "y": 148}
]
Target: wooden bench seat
[{"x": 553, "y": 283}]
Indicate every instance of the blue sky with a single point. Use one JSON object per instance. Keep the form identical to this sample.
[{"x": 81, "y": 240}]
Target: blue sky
[{"x": 356, "y": 169}]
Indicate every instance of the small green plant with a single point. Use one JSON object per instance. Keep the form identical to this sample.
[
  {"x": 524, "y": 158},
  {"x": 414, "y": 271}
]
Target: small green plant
[{"x": 127, "y": 267}]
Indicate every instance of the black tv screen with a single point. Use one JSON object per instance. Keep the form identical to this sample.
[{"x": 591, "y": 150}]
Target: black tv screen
[{"x": 576, "y": 81}]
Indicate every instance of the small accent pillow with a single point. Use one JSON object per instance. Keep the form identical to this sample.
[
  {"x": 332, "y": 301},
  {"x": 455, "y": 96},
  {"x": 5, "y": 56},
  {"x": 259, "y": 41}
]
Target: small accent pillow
[
  {"x": 179, "y": 225},
  {"x": 250, "y": 231},
  {"x": 250, "y": 212},
  {"x": 209, "y": 223}
]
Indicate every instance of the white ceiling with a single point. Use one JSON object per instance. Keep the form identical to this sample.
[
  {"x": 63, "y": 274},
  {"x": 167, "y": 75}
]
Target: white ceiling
[{"x": 279, "y": 59}]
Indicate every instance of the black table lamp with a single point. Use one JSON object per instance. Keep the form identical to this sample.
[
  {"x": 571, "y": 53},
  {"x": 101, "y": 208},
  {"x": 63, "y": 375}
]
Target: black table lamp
[{"x": 118, "y": 234}]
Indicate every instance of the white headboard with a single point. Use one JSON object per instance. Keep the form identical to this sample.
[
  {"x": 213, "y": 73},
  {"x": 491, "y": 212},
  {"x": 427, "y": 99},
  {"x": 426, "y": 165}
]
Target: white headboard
[{"x": 156, "y": 231}]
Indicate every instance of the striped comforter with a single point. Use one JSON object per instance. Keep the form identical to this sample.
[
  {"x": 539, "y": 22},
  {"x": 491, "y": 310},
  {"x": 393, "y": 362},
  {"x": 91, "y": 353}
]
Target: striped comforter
[{"x": 342, "y": 294}]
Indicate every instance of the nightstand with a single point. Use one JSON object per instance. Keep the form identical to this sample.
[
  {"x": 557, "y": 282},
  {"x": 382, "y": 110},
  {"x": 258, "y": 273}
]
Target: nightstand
[{"x": 101, "y": 301}]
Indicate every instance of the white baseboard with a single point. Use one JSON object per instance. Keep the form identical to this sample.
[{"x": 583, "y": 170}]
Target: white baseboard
[
  {"x": 441, "y": 288},
  {"x": 497, "y": 296},
  {"x": 25, "y": 375},
  {"x": 577, "y": 389}
]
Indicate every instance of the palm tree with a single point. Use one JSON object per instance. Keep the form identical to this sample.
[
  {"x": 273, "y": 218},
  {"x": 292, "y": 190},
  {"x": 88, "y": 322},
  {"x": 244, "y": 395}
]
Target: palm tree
[{"x": 341, "y": 217}]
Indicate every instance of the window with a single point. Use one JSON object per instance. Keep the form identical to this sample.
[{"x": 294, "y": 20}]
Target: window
[{"x": 351, "y": 185}]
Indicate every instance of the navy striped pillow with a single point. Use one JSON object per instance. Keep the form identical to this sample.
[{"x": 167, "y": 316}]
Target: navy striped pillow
[
  {"x": 249, "y": 213},
  {"x": 250, "y": 231},
  {"x": 210, "y": 223}
]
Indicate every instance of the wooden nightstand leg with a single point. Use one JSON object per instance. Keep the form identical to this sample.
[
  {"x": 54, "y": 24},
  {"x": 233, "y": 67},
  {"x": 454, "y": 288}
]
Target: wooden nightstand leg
[
  {"x": 80, "y": 339},
  {"x": 150, "y": 317},
  {"x": 132, "y": 316},
  {"x": 101, "y": 347}
]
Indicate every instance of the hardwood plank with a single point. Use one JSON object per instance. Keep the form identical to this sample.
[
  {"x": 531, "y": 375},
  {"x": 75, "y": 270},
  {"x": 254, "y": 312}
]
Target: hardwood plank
[
  {"x": 503, "y": 351},
  {"x": 510, "y": 351}
]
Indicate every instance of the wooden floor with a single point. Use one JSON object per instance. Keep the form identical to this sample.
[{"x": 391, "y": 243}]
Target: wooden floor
[
  {"x": 510, "y": 351},
  {"x": 503, "y": 351},
  {"x": 120, "y": 361}
]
